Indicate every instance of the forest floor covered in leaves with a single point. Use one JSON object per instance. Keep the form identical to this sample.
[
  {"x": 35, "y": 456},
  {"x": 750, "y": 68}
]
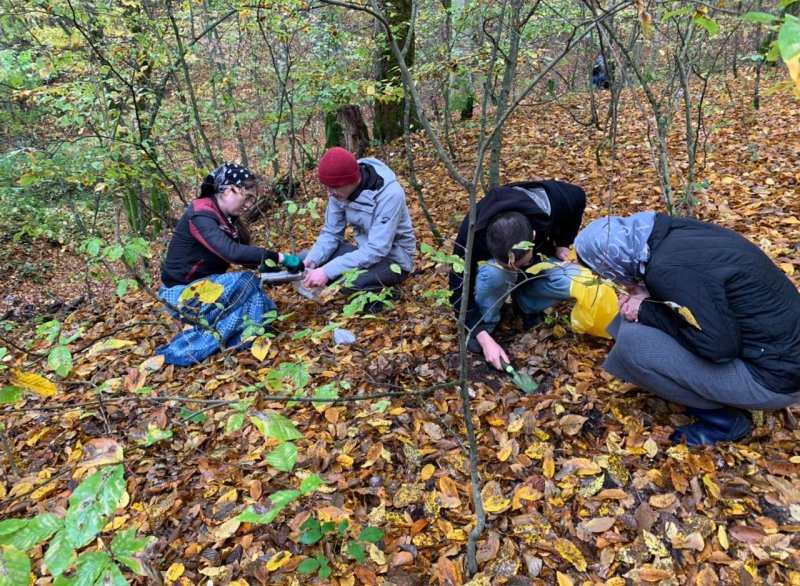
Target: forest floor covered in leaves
[{"x": 581, "y": 483}]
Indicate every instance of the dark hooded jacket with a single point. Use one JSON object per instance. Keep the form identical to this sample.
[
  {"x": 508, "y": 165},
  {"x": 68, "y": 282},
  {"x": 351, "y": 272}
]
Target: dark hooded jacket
[
  {"x": 744, "y": 304},
  {"x": 206, "y": 243},
  {"x": 555, "y": 227}
]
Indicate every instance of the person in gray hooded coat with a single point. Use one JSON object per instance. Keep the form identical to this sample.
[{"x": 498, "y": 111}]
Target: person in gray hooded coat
[
  {"x": 365, "y": 195},
  {"x": 738, "y": 346}
]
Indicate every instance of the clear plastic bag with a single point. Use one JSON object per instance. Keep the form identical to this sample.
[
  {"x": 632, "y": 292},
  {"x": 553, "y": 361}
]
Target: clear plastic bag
[{"x": 595, "y": 304}]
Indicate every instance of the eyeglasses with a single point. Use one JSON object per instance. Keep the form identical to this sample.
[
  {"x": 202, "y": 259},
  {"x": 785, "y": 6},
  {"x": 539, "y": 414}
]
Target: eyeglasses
[{"x": 246, "y": 193}]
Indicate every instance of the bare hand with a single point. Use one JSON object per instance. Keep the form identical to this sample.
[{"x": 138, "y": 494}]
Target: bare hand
[
  {"x": 316, "y": 278},
  {"x": 492, "y": 351},
  {"x": 562, "y": 253},
  {"x": 309, "y": 264},
  {"x": 629, "y": 305}
]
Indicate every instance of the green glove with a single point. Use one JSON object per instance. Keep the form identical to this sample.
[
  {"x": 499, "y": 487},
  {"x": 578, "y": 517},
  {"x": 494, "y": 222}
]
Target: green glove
[{"x": 292, "y": 262}]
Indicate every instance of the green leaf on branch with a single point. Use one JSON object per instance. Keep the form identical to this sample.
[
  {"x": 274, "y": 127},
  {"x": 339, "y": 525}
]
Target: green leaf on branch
[
  {"x": 308, "y": 566},
  {"x": 15, "y": 567},
  {"x": 762, "y": 17},
  {"x": 60, "y": 554},
  {"x": 356, "y": 551},
  {"x": 155, "y": 435},
  {"x": 311, "y": 484},
  {"x": 789, "y": 38},
  {"x": 679, "y": 12},
  {"x": 283, "y": 457},
  {"x": 92, "y": 503},
  {"x": 276, "y": 426},
  {"x": 371, "y": 535},
  {"x": 24, "y": 534},
  {"x": 60, "y": 360},
  {"x": 709, "y": 24},
  {"x": 11, "y": 395},
  {"x": 126, "y": 543}
]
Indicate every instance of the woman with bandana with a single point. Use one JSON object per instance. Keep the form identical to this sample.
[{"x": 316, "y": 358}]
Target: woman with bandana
[
  {"x": 208, "y": 239},
  {"x": 743, "y": 352}
]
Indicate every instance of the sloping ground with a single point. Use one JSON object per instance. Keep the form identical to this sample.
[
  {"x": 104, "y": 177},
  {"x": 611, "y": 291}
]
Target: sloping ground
[{"x": 581, "y": 483}]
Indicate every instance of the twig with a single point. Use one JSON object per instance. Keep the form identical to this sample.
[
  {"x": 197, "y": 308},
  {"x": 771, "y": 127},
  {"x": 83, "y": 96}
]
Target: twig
[{"x": 9, "y": 453}]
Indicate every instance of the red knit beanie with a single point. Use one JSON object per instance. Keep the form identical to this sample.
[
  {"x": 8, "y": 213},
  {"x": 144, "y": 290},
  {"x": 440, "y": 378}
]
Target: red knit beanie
[{"x": 338, "y": 167}]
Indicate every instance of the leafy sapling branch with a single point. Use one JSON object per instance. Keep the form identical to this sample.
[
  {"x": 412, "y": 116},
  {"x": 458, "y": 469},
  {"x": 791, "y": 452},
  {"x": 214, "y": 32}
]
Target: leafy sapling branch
[
  {"x": 335, "y": 534},
  {"x": 91, "y": 507}
]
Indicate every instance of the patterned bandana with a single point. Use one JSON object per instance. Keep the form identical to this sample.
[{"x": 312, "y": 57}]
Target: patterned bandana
[
  {"x": 616, "y": 248},
  {"x": 231, "y": 174}
]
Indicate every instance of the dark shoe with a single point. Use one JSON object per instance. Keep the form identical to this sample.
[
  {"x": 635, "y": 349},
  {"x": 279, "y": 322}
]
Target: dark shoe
[
  {"x": 531, "y": 320},
  {"x": 375, "y": 307},
  {"x": 474, "y": 347},
  {"x": 715, "y": 425}
]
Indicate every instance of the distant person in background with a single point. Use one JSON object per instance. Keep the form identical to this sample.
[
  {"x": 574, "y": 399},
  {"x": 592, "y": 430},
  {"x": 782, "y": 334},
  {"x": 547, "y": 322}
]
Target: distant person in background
[
  {"x": 744, "y": 351},
  {"x": 600, "y": 76},
  {"x": 365, "y": 195},
  {"x": 547, "y": 214},
  {"x": 208, "y": 239}
]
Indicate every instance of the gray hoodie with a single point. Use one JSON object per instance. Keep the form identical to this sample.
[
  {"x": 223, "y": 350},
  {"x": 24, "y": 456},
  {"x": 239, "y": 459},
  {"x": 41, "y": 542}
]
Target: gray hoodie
[{"x": 381, "y": 223}]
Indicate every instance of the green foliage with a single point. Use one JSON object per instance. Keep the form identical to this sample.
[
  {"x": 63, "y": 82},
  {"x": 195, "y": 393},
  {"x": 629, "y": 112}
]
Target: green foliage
[
  {"x": 280, "y": 500},
  {"x": 90, "y": 508},
  {"x": 313, "y": 532},
  {"x": 59, "y": 359}
]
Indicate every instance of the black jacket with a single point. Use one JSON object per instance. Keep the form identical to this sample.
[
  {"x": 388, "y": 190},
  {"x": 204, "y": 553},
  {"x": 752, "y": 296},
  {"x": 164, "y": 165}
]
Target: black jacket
[
  {"x": 747, "y": 308},
  {"x": 205, "y": 243},
  {"x": 558, "y": 228}
]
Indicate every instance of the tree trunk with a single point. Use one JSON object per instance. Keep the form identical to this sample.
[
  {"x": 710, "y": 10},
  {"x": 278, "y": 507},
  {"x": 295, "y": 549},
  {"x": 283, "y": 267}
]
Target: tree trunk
[
  {"x": 388, "y": 122},
  {"x": 355, "y": 137}
]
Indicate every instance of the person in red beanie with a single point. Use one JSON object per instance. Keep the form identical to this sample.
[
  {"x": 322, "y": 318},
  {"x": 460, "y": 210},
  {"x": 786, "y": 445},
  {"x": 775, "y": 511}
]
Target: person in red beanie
[{"x": 365, "y": 195}]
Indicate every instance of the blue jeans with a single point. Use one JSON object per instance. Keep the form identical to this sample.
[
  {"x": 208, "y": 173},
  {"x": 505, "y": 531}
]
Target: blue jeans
[{"x": 493, "y": 284}]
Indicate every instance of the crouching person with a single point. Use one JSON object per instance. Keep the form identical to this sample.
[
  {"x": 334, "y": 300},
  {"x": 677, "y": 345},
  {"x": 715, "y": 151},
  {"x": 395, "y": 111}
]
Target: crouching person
[
  {"x": 737, "y": 348},
  {"x": 547, "y": 214}
]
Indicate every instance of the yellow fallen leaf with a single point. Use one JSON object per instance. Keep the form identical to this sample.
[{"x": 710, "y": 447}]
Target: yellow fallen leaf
[
  {"x": 278, "y": 560},
  {"x": 722, "y": 537},
  {"x": 549, "y": 464},
  {"x": 787, "y": 268},
  {"x": 376, "y": 555},
  {"x": 105, "y": 345},
  {"x": 505, "y": 452},
  {"x": 260, "y": 347},
  {"x": 33, "y": 382},
  {"x": 212, "y": 572},
  {"x": 496, "y": 504},
  {"x": 227, "y": 529},
  {"x": 569, "y": 552},
  {"x": 205, "y": 291},
  {"x": 174, "y": 572},
  {"x": 427, "y": 471},
  {"x": 563, "y": 579}
]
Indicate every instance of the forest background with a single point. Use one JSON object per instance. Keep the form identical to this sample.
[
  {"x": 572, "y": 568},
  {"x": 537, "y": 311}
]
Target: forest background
[{"x": 399, "y": 459}]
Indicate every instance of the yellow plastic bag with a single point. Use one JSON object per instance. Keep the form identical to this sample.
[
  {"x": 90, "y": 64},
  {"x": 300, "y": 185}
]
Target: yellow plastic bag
[{"x": 595, "y": 304}]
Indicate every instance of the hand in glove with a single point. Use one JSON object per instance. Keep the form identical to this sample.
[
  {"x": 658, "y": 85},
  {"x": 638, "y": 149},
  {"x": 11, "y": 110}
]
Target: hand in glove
[{"x": 292, "y": 263}]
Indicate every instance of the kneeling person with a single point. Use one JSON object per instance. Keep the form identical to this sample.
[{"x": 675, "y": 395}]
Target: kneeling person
[
  {"x": 364, "y": 194},
  {"x": 546, "y": 213}
]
